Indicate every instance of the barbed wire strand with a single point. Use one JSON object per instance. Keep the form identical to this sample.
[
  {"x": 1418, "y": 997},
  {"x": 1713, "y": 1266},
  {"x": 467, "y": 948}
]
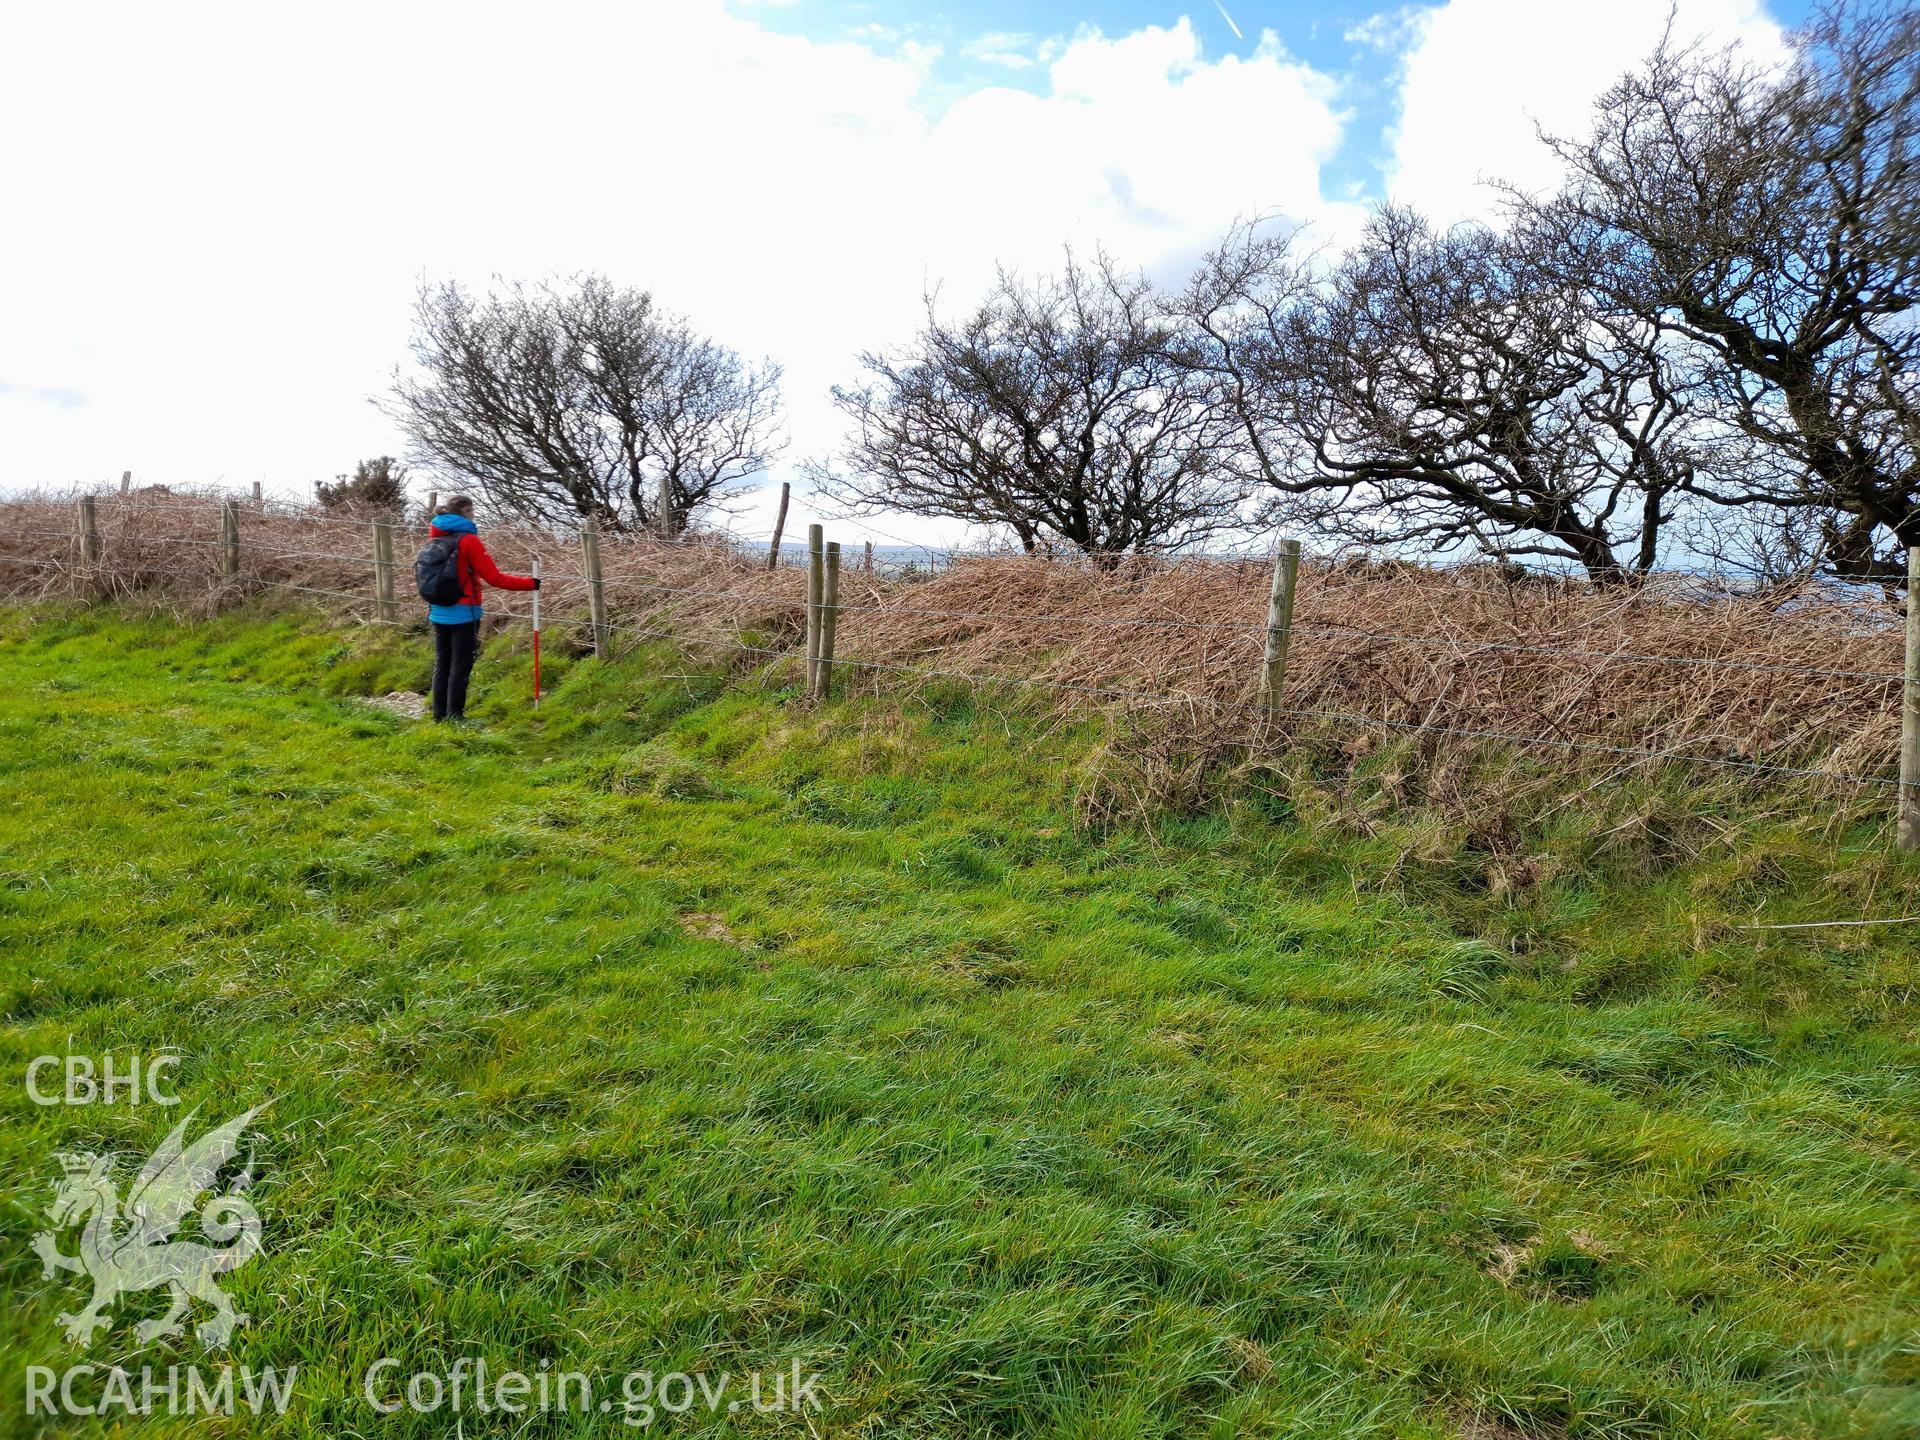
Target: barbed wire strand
[
  {"x": 1459, "y": 645},
  {"x": 1162, "y": 700},
  {"x": 1455, "y": 644},
  {"x": 1144, "y": 698},
  {"x": 1153, "y": 699},
  {"x": 1256, "y": 549}
]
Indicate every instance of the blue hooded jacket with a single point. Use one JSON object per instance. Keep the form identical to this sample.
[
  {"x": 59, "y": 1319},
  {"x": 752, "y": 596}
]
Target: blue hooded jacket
[
  {"x": 473, "y": 566},
  {"x": 451, "y": 524}
]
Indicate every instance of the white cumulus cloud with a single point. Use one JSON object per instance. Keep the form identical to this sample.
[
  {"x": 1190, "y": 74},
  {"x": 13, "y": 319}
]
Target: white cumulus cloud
[
  {"x": 1480, "y": 75},
  {"x": 220, "y": 213}
]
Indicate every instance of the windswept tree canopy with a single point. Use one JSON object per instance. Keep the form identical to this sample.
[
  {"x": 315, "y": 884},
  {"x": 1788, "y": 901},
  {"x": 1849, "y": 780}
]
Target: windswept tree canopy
[
  {"x": 562, "y": 401},
  {"x": 1058, "y": 411},
  {"x": 1768, "y": 224},
  {"x": 1441, "y": 389},
  {"x": 1715, "y": 320}
]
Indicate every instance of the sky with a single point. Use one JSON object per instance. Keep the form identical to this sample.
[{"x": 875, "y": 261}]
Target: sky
[{"x": 218, "y": 214}]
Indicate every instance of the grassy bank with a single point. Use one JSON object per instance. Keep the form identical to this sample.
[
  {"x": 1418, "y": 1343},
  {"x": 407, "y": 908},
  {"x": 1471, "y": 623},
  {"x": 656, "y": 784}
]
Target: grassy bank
[{"x": 679, "y": 1028}]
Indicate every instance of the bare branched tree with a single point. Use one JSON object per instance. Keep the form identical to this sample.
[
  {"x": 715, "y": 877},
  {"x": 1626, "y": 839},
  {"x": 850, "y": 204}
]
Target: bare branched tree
[
  {"x": 1776, "y": 548},
  {"x": 1442, "y": 390},
  {"x": 1769, "y": 224},
  {"x": 1058, "y": 411},
  {"x": 559, "y": 402}
]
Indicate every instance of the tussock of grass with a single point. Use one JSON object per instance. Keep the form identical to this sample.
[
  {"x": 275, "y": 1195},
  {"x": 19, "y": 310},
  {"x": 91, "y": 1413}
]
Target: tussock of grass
[{"x": 685, "y": 1029}]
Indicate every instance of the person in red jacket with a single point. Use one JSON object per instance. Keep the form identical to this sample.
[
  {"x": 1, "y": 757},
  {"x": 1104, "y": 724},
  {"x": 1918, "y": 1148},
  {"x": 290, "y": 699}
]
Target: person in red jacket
[{"x": 456, "y": 628}]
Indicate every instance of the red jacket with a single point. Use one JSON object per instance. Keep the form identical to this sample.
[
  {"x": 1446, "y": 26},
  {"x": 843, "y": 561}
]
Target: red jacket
[{"x": 476, "y": 565}]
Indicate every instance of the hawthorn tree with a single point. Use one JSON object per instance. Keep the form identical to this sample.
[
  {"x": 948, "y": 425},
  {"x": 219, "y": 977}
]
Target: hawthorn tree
[
  {"x": 1767, "y": 224},
  {"x": 1444, "y": 390},
  {"x": 567, "y": 400},
  {"x": 1058, "y": 411}
]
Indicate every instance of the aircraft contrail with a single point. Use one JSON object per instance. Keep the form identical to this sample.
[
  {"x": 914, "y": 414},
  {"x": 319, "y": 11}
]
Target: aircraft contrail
[{"x": 1229, "y": 19}]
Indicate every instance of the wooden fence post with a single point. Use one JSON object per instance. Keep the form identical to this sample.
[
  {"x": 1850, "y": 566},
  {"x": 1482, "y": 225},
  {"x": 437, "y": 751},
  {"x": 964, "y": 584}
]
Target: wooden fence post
[
  {"x": 88, "y": 523},
  {"x": 866, "y": 561},
  {"x": 230, "y": 539},
  {"x": 596, "y": 589},
  {"x": 433, "y": 503},
  {"x": 816, "y": 591},
  {"x": 1286, "y": 572},
  {"x": 829, "y": 618},
  {"x": 779, "y": 526},
  {"x": 126, "y": 481},
  {"x": 389, "y": 612},
  {"x": 666, "y": 508},
  {"x": 259, "y": 500},
  {"x": 1910, "y": 713}
]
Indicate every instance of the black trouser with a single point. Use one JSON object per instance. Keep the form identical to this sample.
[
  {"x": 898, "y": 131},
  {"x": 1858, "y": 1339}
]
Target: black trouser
[{"x": 454, "y": 647}]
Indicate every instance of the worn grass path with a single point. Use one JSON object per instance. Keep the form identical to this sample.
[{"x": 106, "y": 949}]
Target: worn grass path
[{"x": 681, "y": 1033}]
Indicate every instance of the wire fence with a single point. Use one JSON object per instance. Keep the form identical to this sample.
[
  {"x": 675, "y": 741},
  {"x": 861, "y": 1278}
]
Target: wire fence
[{"x": 1807, "y": 684}]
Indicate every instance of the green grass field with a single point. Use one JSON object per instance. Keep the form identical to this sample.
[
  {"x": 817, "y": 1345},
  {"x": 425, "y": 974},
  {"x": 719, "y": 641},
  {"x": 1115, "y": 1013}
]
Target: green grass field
[{"x": 684, "y": 1029}]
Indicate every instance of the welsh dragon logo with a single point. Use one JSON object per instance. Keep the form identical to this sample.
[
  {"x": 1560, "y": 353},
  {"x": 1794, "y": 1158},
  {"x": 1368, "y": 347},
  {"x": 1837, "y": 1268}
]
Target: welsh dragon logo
[{"x": 131, "y": 1247}]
